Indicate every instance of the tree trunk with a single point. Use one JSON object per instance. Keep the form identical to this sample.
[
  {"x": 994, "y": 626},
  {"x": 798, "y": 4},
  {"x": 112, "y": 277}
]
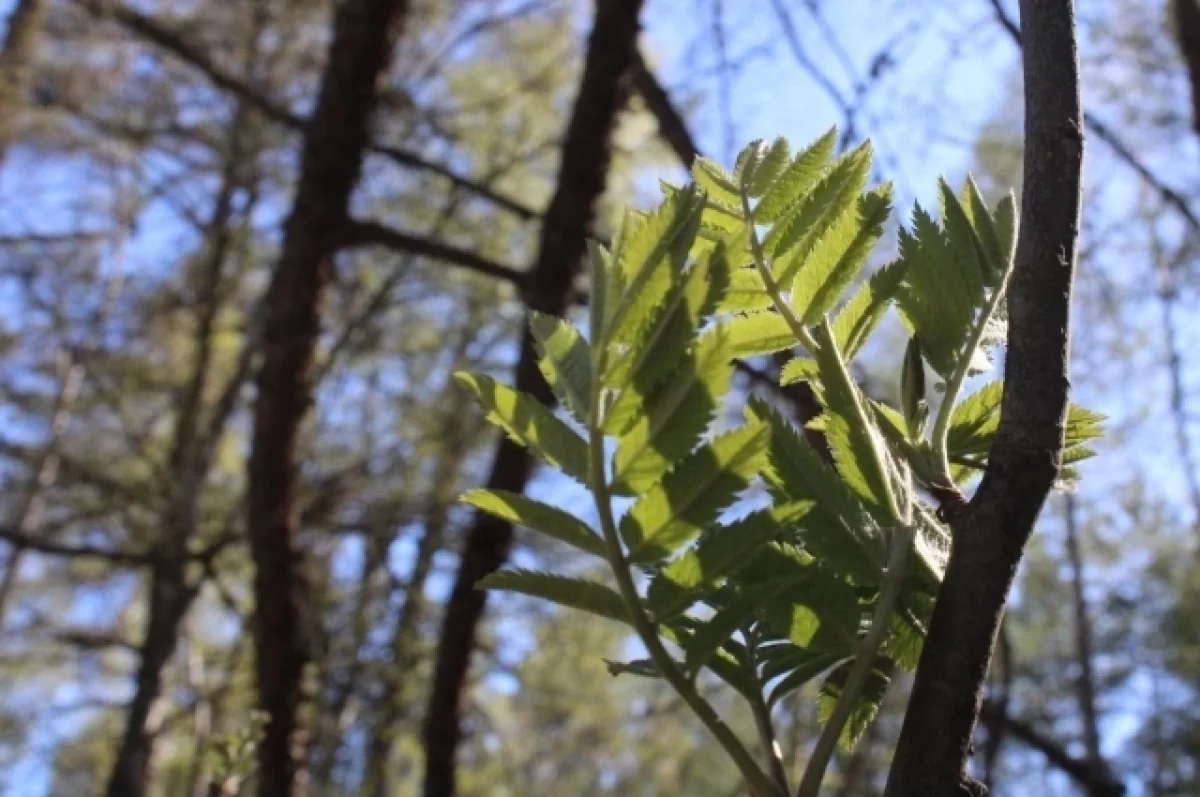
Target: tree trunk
[
  {"x": 989, "y": 533},
  {"x": 334, "y": 144},
  {"x": 581, "y": 180}
]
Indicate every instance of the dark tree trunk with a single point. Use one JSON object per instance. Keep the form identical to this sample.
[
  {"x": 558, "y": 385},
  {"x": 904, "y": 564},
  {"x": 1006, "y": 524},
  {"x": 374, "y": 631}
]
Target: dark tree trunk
[
  {"x": 582, "y": 176},
  {"x": 334, "y": 145},
  {"x": 989, "y": 534}
]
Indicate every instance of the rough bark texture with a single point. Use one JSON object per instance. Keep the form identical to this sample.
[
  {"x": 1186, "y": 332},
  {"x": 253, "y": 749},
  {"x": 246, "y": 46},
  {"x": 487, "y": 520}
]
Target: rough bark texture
[
  {"x": 334, "y": 144},
  {"x": 991, "y": 531},
  {"x": 582, "y": 175}
]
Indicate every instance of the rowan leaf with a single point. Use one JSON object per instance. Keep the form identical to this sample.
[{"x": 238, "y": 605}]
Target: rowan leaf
[
  {"x": 836, "y": 259},
  {"x": 694, "y": 493},
  {"x": 796, "y": 180},
  {"x": 535, "y": 515},
  {"x": 565, "y": 360},
  {"x": 574, "y": 593},
  {"x": 530, "y": 424}
]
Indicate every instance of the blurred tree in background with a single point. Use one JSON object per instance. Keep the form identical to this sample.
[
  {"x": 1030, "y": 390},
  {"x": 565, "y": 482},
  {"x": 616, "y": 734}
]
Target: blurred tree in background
[{"x": 151, "y": 156}]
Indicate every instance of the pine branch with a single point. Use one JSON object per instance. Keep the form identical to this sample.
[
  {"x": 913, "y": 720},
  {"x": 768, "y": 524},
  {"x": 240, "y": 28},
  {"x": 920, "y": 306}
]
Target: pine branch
[{"x": 177, "y": 44}]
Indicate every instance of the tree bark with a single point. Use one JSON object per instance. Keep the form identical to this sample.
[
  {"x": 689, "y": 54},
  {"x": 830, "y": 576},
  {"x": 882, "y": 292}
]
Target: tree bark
[
  {"x": 989, "y": 533},
  {"x": 334, "y": 145},
  {"x": 581, "y": 180}
]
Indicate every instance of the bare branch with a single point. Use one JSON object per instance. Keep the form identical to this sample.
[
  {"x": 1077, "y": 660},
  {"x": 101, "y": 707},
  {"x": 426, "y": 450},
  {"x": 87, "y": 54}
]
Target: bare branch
[
  {"x": 1096, "y": 781},
  {"x": 49, "y": 547},
  {"x": 369, "y": 233},
  {"x": 175, "y": 43},
  {"x": 1106, "y": 134}
]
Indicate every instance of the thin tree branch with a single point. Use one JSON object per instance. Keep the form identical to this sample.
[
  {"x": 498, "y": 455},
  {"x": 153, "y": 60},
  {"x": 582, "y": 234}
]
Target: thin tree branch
[
  {"x": 369, "y": 233},
  {"x": 990, "y": 533},
  {"x": 1096, "y": 782},
  {"x": 671, "y": 125},
  {"x": 49, "y": 547},
  {"x": 177, "y": 44},
  {"x": 1106, "y": 134}
]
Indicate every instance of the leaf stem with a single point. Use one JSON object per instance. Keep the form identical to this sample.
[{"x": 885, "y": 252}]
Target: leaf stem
[
  {"x": 759, "y": 781},
  {"x": 762, "y": 717},
  {"x": 814, "y": 772},
  {"x": 826, "y": 340},
  {"x": 941, "y": 426},
  {"x": 773, "y": 290}
]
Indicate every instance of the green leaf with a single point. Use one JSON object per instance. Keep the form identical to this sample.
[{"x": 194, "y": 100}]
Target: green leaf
[
  {"x": 838, "y": 531},
  {"x": 606, "y": 288},
  {"x": 794, "y": 183},
  {"x": 976, "y": 419},
  {"x": 755, "y": 334},
  {"x": 945, "y": 284},
  {"x": 565, "y": 360},
  {"x": 530, "y": 424},
  {"x": 769, "y": 167},
  {"x": 747, "y": 163},
  {"x": 724, "y": 664},
  {"x": 839, "y": 255},
  {"x": 659, "y": 347},
  {"x": 652, "y": 258},
  {"x": 974, "y": 422},
  {"x": 934, "y": 300},
  {"x": 793, "y": 238},
  {"x": 574, "y": 593},
  {"x": 1005, "y": 220},
  {"x": 996, "y": 257},
  {"x": 821, "y": 613},
  {"x": 730, "y": 618},
  {"x": 798, "y": 369},
  {"x": 912, "y": 389},
  {"x": 691, "y": 496},
  {"x": 718, "y": 553},
  {"x": 746, "y": 292},
  {"x": 801, "y": 667},
  {"x": 853, "y": 445},
  {"x": 716, "y": 182},
  {"x": 865, "y": 309},
  {"x": 549, "y": 520},
  {"x": 643, "y": 668},
  {"x": 867, "y": 704},
  {"x": 675, "y": 416}
]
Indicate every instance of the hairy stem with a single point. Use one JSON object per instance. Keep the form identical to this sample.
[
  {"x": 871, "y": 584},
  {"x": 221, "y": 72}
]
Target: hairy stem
[
  {"x": 762, "y": 718},
  {"x": 941, "y": 426},
  {"x": 824, "y": 341},
  {"x": 814, "y": 773},
  {"x": 759, "y": 781}
]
